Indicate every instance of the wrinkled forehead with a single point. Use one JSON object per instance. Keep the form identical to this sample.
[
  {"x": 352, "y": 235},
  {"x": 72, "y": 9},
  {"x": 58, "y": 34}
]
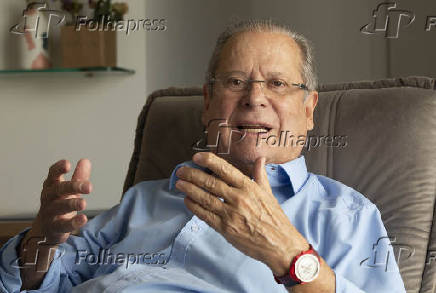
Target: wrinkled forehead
[{"x": 261, "y": 53}]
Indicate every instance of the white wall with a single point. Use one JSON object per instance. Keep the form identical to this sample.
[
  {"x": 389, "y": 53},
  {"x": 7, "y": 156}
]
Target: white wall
[
  {"x": 45, "y": 118},
  {"x": 179, "y": 56}
]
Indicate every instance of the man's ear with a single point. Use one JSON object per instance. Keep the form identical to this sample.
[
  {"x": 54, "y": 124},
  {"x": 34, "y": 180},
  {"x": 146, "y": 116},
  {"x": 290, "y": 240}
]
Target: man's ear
[
  {"x": 206, "y": 103},
  {"x": 309, "y": 106}
]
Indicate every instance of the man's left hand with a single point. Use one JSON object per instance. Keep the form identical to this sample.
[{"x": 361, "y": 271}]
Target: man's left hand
[{"x": 249, "y": 216}]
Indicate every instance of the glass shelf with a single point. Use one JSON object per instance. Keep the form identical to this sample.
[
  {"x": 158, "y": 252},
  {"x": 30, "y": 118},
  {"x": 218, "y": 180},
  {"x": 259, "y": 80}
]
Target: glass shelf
[{"x": 88, "y": 71}]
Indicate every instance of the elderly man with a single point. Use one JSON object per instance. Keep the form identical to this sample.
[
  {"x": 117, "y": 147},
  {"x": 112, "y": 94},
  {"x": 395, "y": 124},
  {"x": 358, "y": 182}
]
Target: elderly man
[{"x": 249, "y": 219}]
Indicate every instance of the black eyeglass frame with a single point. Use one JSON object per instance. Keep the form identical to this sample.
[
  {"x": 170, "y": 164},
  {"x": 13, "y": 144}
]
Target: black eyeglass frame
[{"x": 302, "y": 86}]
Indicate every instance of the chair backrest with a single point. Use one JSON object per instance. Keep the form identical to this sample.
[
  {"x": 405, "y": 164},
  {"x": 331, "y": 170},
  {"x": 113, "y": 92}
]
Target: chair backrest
[{"x": 379, "y": 137}]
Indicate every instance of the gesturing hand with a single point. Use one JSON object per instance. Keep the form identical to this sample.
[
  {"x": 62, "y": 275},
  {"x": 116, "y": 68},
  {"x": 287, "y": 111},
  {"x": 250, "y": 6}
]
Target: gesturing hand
[
  {"x": 60, "y": 201},
  {"x": 249, "y": 217}
]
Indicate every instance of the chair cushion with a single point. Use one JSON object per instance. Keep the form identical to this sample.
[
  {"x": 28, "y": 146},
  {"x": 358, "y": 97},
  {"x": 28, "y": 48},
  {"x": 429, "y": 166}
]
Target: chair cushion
[{"x": 378, "y": 137}]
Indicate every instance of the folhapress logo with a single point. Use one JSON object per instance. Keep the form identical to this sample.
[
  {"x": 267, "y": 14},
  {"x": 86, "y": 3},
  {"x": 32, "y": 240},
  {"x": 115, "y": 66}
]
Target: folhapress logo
[
  {"x": 33, "y": 17},
  {"x": 386, "y": 18}
]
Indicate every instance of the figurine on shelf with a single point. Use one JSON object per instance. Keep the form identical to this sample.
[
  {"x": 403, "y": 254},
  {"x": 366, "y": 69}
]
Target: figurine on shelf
[{"x": 35, "y": 31}]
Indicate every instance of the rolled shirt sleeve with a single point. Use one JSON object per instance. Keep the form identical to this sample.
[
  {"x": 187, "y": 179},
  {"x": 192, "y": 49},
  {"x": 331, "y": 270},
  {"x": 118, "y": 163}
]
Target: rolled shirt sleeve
[
  {"x": 65, "y": 271},
  {"x": 10, "y": 271}
]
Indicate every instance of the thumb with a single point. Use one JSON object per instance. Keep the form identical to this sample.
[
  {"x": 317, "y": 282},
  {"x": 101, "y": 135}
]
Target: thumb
[{"x": 259, "y": 174}]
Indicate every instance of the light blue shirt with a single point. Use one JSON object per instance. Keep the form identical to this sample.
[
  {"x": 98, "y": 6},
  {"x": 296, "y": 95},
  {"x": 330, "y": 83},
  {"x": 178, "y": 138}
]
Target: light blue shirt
[{"x": 151, "y": 242}]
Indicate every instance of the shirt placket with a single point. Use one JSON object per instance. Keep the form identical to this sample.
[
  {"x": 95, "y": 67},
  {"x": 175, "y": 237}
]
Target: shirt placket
[{"x": 184, "y": 240}]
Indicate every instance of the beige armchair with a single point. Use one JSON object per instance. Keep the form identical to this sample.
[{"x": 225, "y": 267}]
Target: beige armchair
[{"x": 389, "y": 155}]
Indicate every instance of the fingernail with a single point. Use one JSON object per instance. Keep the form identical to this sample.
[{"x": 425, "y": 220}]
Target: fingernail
[
  {"x": 197, "y": 156},
  {"x": 179, "y": 172},
  {"x": 82, "y": 187}
]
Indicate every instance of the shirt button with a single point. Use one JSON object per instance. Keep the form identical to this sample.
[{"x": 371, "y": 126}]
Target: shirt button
[{"x": 195, "y": 228}]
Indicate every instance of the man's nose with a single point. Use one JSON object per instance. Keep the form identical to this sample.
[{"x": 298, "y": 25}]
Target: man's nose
[{"x": 255, "y": 95}]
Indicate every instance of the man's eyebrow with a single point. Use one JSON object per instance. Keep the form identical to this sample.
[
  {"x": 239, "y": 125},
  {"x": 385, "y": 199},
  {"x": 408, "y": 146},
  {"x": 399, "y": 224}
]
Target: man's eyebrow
[
  {"x": 233, "y": 72},
  {"x": 277, "y": 73},
  {"x": 268, "y": 75}
]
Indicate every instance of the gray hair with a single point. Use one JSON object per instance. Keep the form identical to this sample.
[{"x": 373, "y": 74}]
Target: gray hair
[{"x": 307, "y": 71}]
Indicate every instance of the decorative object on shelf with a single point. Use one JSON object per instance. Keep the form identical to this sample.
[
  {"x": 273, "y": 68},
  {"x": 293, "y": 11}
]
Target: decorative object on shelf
[
  {"x": 105, "y": 11},
  {"x": 93, "y": 42},
  {"x": 72, "y": 7},
  {"x": 34, "y": 51},
  {"x": 86, "y": 48}
]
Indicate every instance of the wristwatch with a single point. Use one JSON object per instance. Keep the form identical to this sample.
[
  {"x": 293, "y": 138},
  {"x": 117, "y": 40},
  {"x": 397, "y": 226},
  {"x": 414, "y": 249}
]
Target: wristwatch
[{"x": 304, "y": 268}]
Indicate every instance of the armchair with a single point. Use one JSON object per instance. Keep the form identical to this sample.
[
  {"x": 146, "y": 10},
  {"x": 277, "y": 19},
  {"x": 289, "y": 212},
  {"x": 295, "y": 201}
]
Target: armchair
[{"x": 389, "y": 130}]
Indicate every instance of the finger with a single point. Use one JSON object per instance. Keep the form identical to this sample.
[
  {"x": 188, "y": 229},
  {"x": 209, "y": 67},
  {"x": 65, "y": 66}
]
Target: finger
[
  {"x": 82, "y": 171},
  {"x": 226, "y": 171},
  {"x": 210, "y": 218},
  {"x": 259, "y": 174},
  {"x": 208, "y": 201},
  {"x": 56, "y": 171},
  {"x": 64, "y": 206},
  {"x": 209, "y": 182},
  {"x": 67, "y": 188},
  {"x": 67, "y": 226}
]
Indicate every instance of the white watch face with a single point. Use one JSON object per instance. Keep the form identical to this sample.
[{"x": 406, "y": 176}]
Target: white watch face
[{"x": 307, "y": 267}]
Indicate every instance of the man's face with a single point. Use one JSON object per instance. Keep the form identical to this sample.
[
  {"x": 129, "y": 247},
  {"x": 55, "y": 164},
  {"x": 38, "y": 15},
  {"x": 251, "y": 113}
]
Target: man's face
[{"x": 263, "y": 115}]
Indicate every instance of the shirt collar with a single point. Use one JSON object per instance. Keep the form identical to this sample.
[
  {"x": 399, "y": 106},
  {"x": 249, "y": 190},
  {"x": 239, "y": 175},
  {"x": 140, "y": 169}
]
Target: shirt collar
[{"x": 294, "y": 172}]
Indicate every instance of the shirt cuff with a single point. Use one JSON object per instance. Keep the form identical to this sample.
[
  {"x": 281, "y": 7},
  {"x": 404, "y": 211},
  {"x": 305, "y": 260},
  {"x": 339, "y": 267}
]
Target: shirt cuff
[
  {"x": 9, "y": 271},
  {"x": 10, "y": 279}
]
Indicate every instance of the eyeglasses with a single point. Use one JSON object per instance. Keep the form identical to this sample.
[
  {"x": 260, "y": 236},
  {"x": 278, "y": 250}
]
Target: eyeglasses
[{"x": 239, "y": 84}]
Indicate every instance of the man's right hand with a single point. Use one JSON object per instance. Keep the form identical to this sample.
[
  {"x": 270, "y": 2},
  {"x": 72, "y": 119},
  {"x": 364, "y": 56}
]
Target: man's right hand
[
  {"x": 60, "y": 201},
  {"x": 56, "y": 219}
]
